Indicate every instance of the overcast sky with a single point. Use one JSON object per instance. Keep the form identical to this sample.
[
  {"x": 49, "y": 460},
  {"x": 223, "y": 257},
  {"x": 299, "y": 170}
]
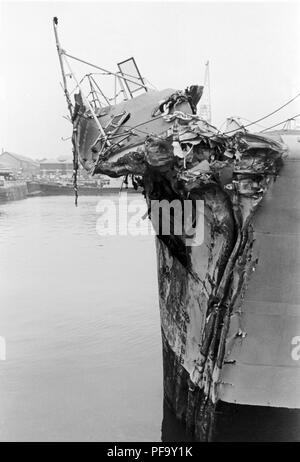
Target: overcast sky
[{"x": 253, "y": 50}]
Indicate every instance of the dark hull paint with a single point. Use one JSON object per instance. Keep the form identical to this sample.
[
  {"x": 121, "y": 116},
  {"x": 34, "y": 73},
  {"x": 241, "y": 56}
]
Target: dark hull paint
[
  {"x": 187, "y": 402},
  {"x": 239, "y": 423}
]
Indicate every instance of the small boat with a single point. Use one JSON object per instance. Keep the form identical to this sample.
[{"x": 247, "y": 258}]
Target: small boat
[
  {"x": 229, "y": 301},
  {"x": 66, "y": 188}
]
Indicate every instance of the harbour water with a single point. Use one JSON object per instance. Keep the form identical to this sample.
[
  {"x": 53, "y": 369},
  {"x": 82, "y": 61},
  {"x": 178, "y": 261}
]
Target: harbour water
[{"x": 79, "y": 313}]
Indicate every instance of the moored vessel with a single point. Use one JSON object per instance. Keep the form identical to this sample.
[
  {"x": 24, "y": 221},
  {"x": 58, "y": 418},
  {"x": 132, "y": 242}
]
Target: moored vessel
[{"x": 66, "y": 188}]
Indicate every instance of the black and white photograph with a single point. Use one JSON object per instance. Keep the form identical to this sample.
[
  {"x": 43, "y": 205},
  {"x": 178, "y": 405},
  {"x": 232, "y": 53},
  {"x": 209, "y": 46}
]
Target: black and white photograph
[{"x": 150, "y": 224}]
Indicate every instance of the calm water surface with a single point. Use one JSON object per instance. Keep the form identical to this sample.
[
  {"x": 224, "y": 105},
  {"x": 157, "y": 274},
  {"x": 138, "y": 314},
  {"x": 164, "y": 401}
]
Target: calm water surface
[{"x": 80, "y": 316}]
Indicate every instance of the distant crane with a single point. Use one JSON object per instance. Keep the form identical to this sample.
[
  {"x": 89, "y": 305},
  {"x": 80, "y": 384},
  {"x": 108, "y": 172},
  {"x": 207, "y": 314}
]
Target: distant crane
[{"x": 204, "y": 110}]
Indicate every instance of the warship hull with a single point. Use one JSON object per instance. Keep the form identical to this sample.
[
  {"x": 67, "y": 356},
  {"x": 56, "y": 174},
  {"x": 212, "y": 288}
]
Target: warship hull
[
  {"x": 262, "y": 347},
  {"x": 229, "y": 305},
  {"x": 228, "y": 297}
]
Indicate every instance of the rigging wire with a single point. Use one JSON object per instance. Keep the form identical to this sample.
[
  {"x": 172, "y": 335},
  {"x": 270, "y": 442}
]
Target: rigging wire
[
  {"x": 219, "y": 129},
  {"x": 265, "y": 117},
  {"x": 247, "y": 120},
  {"x": 276, "y": 125},
  {"x": 121, "y": 76}
]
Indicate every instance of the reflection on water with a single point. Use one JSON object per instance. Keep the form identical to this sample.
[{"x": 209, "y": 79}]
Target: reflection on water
[{"x": 80, "y": 316}]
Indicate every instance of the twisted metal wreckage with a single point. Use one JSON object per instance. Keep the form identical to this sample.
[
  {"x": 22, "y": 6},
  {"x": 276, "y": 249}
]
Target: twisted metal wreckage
[{"x": 206, "y": 309}]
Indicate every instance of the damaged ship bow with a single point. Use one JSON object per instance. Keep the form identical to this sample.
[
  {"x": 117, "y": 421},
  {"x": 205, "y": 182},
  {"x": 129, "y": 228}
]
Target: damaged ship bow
[{"x": 229, "y": 304}]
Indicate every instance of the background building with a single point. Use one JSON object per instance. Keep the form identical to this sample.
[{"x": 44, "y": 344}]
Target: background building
[
  {"x": 60, "y": 166},
  {"x": 19, "y": 164}
]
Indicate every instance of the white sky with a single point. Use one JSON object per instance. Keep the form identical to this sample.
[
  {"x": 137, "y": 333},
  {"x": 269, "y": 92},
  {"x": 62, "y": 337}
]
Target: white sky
[{"x": 253, "y": 50}]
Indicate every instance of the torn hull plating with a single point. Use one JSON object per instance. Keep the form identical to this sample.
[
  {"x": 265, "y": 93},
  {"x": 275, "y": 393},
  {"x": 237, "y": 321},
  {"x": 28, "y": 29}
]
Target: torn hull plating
[
  {"x": 261, "y": 360},
  {"x": 229, "y": 305},
  {"x": 262, "y": 367}
]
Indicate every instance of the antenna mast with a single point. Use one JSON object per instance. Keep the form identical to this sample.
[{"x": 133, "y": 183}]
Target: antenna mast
[{"x": 60, "y": 53}]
